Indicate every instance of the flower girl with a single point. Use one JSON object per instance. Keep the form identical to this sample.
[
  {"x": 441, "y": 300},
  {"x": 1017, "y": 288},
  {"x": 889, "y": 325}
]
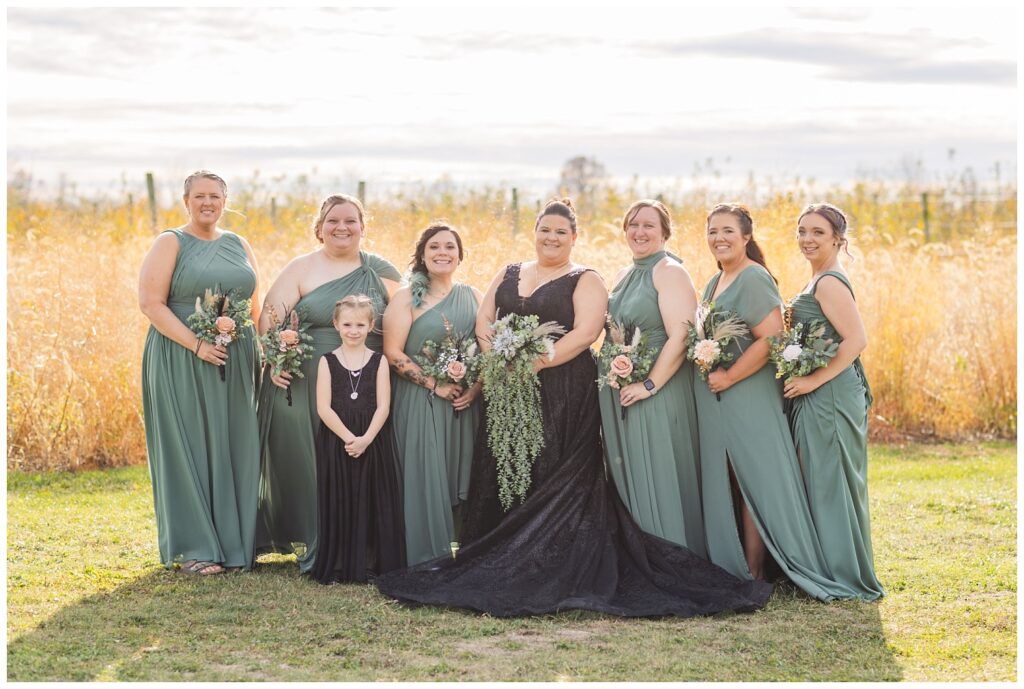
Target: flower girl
[{"x": 359, "y": 499}]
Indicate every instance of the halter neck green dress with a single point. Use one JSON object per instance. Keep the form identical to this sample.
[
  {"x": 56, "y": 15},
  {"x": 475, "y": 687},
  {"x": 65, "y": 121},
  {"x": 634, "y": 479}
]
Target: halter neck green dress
[
  {"x": 748, "y": 431},
  {"x": 653, "y": 455},
  {"x": 435, "y": 445},
  {"x": 287, "y": 507},
  {"x": 830, "y": 430},
  {"x": 201, "y": 433}
]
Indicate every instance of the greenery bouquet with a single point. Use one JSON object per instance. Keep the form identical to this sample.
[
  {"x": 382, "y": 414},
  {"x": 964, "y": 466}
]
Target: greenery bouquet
[
  {"x": 515, "y": 430},
  {"x": 621, "y": 363}
]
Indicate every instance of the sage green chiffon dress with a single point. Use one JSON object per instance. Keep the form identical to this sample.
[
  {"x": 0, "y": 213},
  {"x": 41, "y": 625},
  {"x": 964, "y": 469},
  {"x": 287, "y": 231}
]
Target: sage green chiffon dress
[
  {"x": 653, "y": 455},
  {"x": 201, "y": 433},
  {"x": 435, "y": 445},
  {"x": 747, "y": 430},
  {"x": 287, "y": 492},
  {"x": 830, "y": 430}
]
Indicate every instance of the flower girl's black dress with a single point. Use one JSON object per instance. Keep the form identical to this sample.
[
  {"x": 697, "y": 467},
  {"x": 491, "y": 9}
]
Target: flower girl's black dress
[{"x": 360, "y": 528}]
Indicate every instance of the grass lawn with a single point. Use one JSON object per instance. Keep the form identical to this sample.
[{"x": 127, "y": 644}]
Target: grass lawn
[{"x": 88, "y": 600}]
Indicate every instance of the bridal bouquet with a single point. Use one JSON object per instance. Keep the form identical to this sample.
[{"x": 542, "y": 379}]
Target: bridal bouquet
[
  {"x": 515, "y": 430},
  {"x": 709, "y": 334},
  {"x": 796, "y": 353},
  {"x": 218, "y": 317},
  {"x": 286, "y": 345},
  {"x": 452, "y": 360},
  {"x": 621, "y": 363}
]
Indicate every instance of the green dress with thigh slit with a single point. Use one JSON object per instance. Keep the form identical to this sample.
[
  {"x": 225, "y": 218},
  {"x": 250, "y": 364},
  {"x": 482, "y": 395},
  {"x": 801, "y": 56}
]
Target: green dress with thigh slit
[
  {"x": 830, "y": 430},
  {"x": 287, "y": 506},
  {"x": 435, "y": 445},
  {"x": 747, "y": 430},
  {"x": 201, "y": 434},
  {"x": 652, "y": 454}
]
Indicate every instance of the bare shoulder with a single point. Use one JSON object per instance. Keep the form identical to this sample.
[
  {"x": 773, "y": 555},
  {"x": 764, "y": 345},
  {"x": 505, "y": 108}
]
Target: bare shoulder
[
  {"x": 402, "y": 297},
  {"x": 477, "y": 293},
  {"x": 832, "y": 289},
  {"x": 590, "y": 279}
]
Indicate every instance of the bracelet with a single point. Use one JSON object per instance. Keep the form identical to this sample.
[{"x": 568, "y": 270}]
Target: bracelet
[
  {"x": 433, "y": 390},
  {"x": 199, "y": 344}
]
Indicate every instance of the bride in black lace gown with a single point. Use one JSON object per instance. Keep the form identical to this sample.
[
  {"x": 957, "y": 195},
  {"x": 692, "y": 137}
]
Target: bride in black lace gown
[{"x": 572, "y": 543}]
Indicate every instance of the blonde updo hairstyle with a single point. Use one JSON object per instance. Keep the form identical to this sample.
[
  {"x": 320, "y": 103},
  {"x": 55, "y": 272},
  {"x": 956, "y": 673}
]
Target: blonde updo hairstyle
[{"x": 329, "y": 203}]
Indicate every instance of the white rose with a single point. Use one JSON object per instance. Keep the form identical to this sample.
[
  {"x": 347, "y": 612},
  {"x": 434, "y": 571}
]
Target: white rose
[{"x": 792, "y": 352}]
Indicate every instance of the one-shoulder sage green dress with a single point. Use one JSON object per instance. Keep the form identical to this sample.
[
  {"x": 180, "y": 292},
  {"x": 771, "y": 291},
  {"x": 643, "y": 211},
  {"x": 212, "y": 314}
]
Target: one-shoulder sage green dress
[
  {"x": 653, "y": 455},
  {"x": 435, "y": 445},
  {"x": 287, "y": 507},
  {"x": 830, "y": 430},
  {"x": 747, "y": 430},
  {"x": 201, "y": 433}
]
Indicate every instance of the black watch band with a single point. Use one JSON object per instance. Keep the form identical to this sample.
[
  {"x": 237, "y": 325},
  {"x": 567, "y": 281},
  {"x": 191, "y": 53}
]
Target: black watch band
[{"x": 650, "y": 386}]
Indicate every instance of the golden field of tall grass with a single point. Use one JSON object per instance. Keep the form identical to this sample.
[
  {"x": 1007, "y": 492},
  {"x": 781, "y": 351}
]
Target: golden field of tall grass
[{"x": 940, "y": 315}]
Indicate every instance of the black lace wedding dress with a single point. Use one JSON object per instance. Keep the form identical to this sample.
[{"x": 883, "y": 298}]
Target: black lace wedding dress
[{"x": 572, "y": 543}]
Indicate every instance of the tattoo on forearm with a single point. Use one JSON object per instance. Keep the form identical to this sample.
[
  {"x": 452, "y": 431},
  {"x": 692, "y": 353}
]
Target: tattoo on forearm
[{"x": 405, "y": 368}]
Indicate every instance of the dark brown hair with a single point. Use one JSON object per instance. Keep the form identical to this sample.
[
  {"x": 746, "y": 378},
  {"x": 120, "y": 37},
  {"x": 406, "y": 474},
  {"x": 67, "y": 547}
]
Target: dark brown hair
[
  {"x": 746, "y": 222},
  {"x": 562, "y": 207},
  {"x": 417, "y": 264}
]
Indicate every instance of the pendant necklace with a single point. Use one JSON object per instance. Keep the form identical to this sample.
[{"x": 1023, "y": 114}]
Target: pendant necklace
[{"x": 353, "y": 381}]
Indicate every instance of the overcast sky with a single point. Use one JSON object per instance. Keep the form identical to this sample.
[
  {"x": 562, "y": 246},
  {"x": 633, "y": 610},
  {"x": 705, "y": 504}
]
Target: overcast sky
[{"x": 506, "y": 96}]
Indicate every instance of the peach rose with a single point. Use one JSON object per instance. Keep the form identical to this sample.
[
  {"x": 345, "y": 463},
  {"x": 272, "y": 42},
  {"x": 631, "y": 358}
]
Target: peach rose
[
  {"x": 622, "y": 366},
  {"x": 456, "y": 370},
  {"x": 289, "y": 337},
  {"x": 225, "y": 324}
]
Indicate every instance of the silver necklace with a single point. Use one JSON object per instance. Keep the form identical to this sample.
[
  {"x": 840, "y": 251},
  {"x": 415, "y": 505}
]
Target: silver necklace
[{"x": 353, "y": 380}]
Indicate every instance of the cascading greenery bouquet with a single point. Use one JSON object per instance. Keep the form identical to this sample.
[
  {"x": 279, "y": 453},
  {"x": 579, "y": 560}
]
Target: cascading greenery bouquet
[
  {"x": 708, "y": 335},
  {"x": 797, "y": 353},
  {"x": 287, "y": 344},
  {"x": 621, "y": 363},
  {"x": 515, "y": 429},
  {"x": 219, "y": 318},
  {"x": 455, "y": 359}
]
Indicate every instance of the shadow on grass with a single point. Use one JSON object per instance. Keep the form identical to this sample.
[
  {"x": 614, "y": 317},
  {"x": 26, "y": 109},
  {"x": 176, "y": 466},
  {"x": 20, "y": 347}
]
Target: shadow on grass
[{"x": 273, "y": 624}]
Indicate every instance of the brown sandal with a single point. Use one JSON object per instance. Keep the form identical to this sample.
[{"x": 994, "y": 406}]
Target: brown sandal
[{"x": 200, "y": 567}]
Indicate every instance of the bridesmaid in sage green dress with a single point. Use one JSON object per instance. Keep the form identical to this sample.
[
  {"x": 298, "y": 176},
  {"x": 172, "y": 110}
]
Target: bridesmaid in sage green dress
[
  {"x": 312, "y": 283},
  {"x": 747, "y": 453},
  {"x": 201, "y": 433},
  {"x": 652, "y": 454},
  {"x": 434, "y": 425},
  {"x": 829, "y": 416}
]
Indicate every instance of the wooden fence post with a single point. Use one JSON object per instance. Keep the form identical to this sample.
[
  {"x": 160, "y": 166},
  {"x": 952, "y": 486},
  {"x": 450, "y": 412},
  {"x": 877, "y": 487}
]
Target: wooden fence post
[
  {"x": 151, "y": 190},
  {"x": 362, "y": 192},
  {"x": 273, "y": 212},
  {"x": 924, "y": 213},
  {"x": 515, "y": 211}
]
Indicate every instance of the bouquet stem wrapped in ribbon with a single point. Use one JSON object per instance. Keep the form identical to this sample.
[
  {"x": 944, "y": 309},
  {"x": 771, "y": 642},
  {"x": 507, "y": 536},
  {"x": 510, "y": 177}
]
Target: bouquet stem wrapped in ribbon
[
  {"x": 708, "y": 335},
  {"x": 515, "y": 429},
  {"x": 219, "y": 318},
  {"x": 621, "y": 363},
  {"x": 453, "y": 360},
  {"x": 286, "y": 345}
]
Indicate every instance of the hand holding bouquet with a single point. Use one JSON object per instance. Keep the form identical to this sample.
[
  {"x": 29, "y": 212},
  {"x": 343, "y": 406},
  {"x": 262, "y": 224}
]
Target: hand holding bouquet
[
  {"x": 709, "y": 334},
  {"x": 515, "y": 430},
  {"x": 452, "y": 361},
  {"x": 286, "y": 345},
  {"x": 621, "y": 363},
  {"x": 218, "y": 318},
  {"x": 797, "y": 353}
]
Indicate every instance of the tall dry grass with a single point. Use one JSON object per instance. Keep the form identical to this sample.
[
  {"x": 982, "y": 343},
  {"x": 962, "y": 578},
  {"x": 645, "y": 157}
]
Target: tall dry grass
[{"x": 941, "y": 316}]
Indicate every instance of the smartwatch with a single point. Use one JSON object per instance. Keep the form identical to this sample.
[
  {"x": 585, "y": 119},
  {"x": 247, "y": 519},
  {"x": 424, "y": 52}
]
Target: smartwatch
[{"x": 650, "y": 387}]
